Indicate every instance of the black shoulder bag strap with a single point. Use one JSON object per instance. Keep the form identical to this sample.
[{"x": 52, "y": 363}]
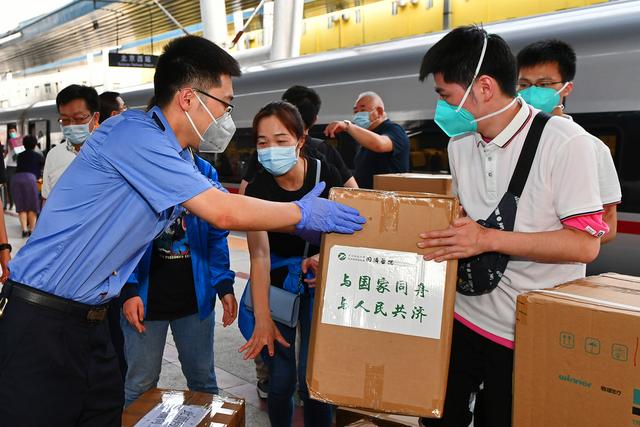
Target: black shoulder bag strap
[
  {"x": 528, "y": 153},
  {"x": 481, "y": 274}
]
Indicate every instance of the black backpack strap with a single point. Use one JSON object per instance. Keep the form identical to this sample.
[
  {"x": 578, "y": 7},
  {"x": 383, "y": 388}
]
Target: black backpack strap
[{"x": 528, "y": 153}]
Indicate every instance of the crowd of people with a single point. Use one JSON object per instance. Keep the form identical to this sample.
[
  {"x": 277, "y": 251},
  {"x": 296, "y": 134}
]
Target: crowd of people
[{"x": 135, "y": 226}]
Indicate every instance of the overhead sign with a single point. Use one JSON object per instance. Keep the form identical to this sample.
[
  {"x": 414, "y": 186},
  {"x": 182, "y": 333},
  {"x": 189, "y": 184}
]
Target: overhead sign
[{"x": 134, "y": 60}]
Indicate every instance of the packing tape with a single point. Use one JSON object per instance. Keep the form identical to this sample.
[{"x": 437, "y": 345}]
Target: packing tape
[
  {"x": 373, "y": 384},
  {"x": 390, "y": 211},
  {"x": 589, "y": 300}
]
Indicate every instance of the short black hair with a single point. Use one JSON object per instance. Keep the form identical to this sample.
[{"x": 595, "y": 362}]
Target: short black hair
[
  {"x": 191, "y": 60},
  {"x": 306, "y": 100},
  {"x": 29, "y": 142},
  {"x": 73, "y": 92},
  {"x": 457, "y": 54},
  {"x": 108, "y": 104},
  {"x": 547, "y": 51}
]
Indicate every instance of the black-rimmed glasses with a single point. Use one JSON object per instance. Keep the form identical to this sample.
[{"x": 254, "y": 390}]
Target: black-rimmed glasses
[{"x": 228, "y": 107}]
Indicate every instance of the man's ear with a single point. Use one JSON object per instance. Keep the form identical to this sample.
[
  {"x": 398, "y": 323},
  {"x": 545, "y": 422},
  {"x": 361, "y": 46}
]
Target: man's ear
[
  {"x": 566, "y": 91},
  {"x": 96, "y": 117},
  {"x": 487, "y": 87},
  {"x": 184, "y": 99}
]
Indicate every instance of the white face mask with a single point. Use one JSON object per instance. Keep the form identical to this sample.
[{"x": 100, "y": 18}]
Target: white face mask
[{"x": 218, "y": 135}]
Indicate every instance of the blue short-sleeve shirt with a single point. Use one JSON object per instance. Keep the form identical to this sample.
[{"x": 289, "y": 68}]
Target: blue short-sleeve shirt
[{"x": 121, "y": 191}]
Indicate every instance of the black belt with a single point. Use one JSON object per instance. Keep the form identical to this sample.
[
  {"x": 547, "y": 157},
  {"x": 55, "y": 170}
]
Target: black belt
[{"x": 90, "y": 313}]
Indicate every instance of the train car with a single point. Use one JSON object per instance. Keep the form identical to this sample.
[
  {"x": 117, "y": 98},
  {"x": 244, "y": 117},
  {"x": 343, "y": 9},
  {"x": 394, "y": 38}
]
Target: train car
[{"x": 605, "y": 101}]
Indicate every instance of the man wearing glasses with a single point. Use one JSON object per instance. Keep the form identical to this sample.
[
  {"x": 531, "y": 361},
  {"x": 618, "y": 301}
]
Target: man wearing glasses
[
  {"x": 133, "y": 177},
  {"x": 546, "y": 70},
  {"x": 79, "y": 110}
]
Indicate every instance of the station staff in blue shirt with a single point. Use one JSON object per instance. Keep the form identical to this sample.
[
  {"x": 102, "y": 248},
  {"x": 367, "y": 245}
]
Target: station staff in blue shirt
[{"x": 131, "y": 179}]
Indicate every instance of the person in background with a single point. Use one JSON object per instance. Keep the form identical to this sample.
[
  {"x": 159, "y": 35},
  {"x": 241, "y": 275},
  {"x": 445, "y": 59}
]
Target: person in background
[
  {"x": 308, "y": 103},
  {"x": 175, "y": 285},
  {"x": 559, "y": 213},
  {"x": 276, "y": 259},
  {"x": 11, "y": 162},
  {"x": 24, "y": 187},
  {"x": 546, "y": 70},
  {"x": 384, "y": 145},
  {"x": 42, "y": 142},
  {"x": 79, "y": 110},
  {"x": 111, "y": 104}
]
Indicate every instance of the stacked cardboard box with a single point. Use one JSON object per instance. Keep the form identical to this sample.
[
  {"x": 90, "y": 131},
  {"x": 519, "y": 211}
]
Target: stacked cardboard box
[
  {"x": 383, "y": 316},
  {"x": 413, "y": 182},
  {"x": 577, "y": 354}
]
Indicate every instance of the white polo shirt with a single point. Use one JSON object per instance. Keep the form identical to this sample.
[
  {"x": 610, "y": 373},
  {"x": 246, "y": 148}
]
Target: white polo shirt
[
  {"x": 610, "y": 190},
  {"x": 58, "y": 160},
  {"x": 562, "y": 183}
]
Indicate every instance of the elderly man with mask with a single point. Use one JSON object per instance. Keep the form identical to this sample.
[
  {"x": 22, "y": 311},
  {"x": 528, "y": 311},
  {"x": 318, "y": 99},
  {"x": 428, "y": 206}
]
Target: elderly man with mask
[
  {"x": 79, "y": 110},
  {"x": 383, "y": 144}
]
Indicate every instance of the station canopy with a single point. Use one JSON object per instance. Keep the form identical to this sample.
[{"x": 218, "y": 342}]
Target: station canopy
[{"x": 85, "y": 26}]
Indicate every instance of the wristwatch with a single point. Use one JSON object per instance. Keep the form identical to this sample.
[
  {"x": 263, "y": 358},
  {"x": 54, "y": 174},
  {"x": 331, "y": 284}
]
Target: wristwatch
[
  {"x": 4, "y": 246},
  {"x": 348, "y": 123}
]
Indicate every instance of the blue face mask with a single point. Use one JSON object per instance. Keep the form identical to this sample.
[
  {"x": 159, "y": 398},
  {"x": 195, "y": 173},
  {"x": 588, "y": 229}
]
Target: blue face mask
[
  {"x": 454, "y": 120},
  {"x": 278, "y": 160},
  {"x": 542, "y": 98},
  {"x": 362, "y": 119},
  {"x": 76, "y": 134}
]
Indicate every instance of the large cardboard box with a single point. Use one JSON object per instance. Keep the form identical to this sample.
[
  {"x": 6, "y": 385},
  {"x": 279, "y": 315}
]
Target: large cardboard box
[
  {"x": 413, "y": 182},
  {"x": 381, "y": 332},
  {"x": 172, "y": 407},
  {"x": 577, "y": 360}
]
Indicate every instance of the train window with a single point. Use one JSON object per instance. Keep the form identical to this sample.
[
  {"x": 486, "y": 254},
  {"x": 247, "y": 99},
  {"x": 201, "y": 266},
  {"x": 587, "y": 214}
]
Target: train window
[
  {"x": 428, "y": 148},
  {"x": 620, "y": 132}
]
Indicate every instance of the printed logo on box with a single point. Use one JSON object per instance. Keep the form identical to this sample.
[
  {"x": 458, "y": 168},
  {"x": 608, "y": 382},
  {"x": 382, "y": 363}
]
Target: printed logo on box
[{"x": 390, "y": 291}]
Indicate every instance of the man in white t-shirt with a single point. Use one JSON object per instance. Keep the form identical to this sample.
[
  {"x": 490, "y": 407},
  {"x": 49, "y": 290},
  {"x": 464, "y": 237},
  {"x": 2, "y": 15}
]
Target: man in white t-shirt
[
  {"x": 79, "y": 110},
  {"x": 546, "y": 70},
  {"x": 558, "y": 221}
]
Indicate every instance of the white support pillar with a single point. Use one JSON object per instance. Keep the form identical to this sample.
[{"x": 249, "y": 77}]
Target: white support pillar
[
  {"x": 267, "y": 23},
  {"x": 214, "y": 21},
  {"x": 106, "y": 79},
  {"x": 297, "y": 27},
  {"x": 287, "y": 24},
  {"x": 90, "y": 72},
  {"x": 238, "y": 23}
]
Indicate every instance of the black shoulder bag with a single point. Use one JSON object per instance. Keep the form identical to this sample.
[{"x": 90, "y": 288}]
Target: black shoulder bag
[{"x": 482, "y": 273}]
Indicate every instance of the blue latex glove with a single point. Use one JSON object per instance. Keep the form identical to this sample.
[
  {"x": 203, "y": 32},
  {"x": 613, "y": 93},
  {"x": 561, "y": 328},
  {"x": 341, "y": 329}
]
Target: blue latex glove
[{"x": 326, "y": 216}]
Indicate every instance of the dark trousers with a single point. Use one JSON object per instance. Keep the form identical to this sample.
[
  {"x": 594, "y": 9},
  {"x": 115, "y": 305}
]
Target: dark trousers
[
  {"x": 476, "y": 360},
  {"x": 283, "y": 376},
  {"x": 57, "y": 370},
  {"x": 117, "y": 338}
]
